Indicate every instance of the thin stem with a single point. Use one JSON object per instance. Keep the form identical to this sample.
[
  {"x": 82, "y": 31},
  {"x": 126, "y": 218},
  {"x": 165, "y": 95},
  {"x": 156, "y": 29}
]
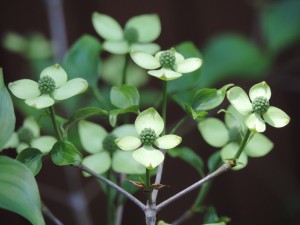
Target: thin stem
[
  {"x": 50, "y": 215},
  {"x": 148, "y": 187},
  {"x": 225, "y": 167},
  {"x": 157, "y": 181},
  {"x": 120, "y": 208},
  {"x": 164, "y": 105},
  {"x": 180, "y": 122},
  {"x": 112, "y": 185},
  {"x": 58, "y": 131},
  {"x": 125, "y": 69},
  {"x": 109, "y": 202},
  {"x": 187, "y": 215},
  {"x": 242, "y": 146}
]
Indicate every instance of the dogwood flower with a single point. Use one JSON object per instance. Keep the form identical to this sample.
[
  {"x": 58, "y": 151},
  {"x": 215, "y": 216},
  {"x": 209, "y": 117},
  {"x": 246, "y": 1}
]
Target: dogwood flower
[
  {"x": 166, "y": 65},
  {"x": 228, "y": 136},
  {"x": 149, "y": 126},
  {"x": 104, "y": 153},
  {"x": 258, "y": 111},
  {"x": 29, "y": 136},
  {"x": 138, "y": 32},
  {"x": 52, "y": 85}
]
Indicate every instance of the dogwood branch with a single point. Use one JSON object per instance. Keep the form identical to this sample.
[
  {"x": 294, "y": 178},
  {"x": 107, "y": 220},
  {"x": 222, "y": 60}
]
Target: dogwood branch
[
  {"x": 112, "y": 185},
  {"x": 225, "y": 167}
]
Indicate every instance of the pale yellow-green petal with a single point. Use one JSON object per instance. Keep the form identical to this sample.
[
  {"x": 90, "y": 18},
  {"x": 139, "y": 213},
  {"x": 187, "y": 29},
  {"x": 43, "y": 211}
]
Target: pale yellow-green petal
[
  {"x": 41, "y": 102},
  {"x": 148, "y": 157},
  {"x": 214, "y": 132},
  {"x": 147, "y": 26},
  {"x": 255, "y": 123},
  {"x": 149, "y": 119},
  {"x": 125, "y": 130},
  {"x": 165, "y": 74},
  {"x": 123, "y": 162},
  {"x": 31, "y": 124},
  {"x": 150, "y": 48},
  {"x": 258, "y": 146},
  {"x": 145, "y": 60},
  {"x": 234, "y": 120},
  {"x": 21, "y": 147},
  {"x": 228, "y": 152},
  {"x": 260, "y": 90},
  {"x": 57, "y": 73},
  {"x": 128, "y": 143},
  {"x": 107, "y": 27},
  {"x": 276, "y": 117},
  {"x": 91, "y": 136},
  {"x": 188, "y": 65},
  {"x": 116, "y": 47},
  {"x": 25, "y": 89},
  {"x": 168, "y": 141},
  {"x": 178, "y": 57},
  {"x": 71, "y": 88},
  {"x": 43, "y": 143},
  {"x": 239, "y": 99},
  {"x": 99, "y": 163},
  {"x": 13, "y": 142}
]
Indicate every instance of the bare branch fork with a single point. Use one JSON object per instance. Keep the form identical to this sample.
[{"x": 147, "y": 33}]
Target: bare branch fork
[{"x": 151, "y": 210}]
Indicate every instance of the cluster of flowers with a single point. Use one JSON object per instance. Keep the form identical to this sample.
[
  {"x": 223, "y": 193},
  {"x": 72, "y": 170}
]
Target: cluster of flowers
[{"x": 142, "y": 148}]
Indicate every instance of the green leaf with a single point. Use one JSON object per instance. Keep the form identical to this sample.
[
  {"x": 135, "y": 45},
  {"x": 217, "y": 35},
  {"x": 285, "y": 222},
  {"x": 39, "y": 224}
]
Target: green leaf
[
  {"x": 19, "y": 192},
  {"x": 280, "y": 24},
  {"x": 190, "y": 80},
  {"x": 83, "y": 114},
  {"x": 214, "y": 132},
  {"x": 195, "y": 114},
  {"x": 7, "y": 114},
  {"x": 229, "y": 56},
  {"x": 32, "y": 158},
  {"x": 207, "y": 98},
  {"x": 113, "y": 114},
  {"x": 211, "y": 215},
  {"x": 65, "y": 153},
  {"x": 124, "y": 96},
  {"x": 82, "y": 60},
  {"x": 112, "y": 69},
  {"x": 190, "y": 157}
]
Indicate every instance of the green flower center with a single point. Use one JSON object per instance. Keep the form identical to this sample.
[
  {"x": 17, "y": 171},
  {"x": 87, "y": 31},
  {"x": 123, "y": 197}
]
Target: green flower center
[
  {"x": 260, "y": 105},
  {"x": 131, "y": 34},
  {"x": 109, "y": 143},
  {"x": 25, "y": 135},
  {"x": 46, "y": 85},
  {"x": 167, "y": 59},
  {"x": 148, "y": 136}
]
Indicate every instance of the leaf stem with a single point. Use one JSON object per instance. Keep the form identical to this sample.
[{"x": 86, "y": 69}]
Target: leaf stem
[
  {"x": 112, "y": 185},
  {"x": 109, "y": 202},
  {"x": 124, "y": 75},
  {"x": 242, "y": 146},
  {"x": 180, "y": 122},
  {"x": 58, "y": 131},
  {"x": 164, "y": 105},
  {"x": 148, "y": 187},
  {"x": 50, "y": 215}
]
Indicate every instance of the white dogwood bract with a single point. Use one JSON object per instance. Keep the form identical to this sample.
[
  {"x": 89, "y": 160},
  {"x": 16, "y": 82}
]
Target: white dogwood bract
[
  {"x": 257, "y": 110},
  {"x": 149, "y": 126},
  {"x": 137, "y": 35},
  {"x": 52, "y": 86},
  {"x": 228, "y": 137},
  {"x": 29, "y": 136},
  {"x": 103, "y": 154},
  {"x": 166, "y": 65}
]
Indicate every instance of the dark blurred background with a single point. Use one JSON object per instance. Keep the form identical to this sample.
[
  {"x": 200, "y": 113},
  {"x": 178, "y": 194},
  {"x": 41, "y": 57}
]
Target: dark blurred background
[{"x": 265, "y": 192}]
